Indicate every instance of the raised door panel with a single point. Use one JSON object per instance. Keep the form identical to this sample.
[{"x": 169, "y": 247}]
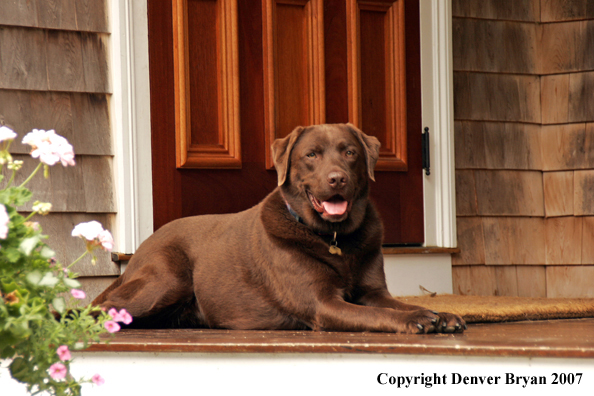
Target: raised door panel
[
  {"x": 206, "y": 84},
  {"x": 293, "y": 67},
  {"x": 377, "y": 76}
]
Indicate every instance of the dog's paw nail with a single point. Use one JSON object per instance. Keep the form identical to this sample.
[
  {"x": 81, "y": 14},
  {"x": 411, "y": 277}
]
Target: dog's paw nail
[
  {"x": 435, "y": 312},
  {"x": 420, "y": 326},
  {"x": 465, "y": 327},
  {"x": 458, "y": 327},
  {"x": 444, "y": 325}
]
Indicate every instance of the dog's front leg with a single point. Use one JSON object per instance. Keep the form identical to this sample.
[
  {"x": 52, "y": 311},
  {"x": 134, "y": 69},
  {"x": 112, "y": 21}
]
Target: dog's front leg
[
  {"x": 373, "y": 292},
  {"x": 383, "y": 298},
  {"x": 339, "y": 315},
  {"x": 448, "y": 323}
]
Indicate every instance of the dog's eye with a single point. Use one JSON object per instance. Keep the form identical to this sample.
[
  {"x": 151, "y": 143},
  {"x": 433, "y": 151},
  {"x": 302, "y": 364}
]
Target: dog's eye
[
  {"x": 350, "y": 153},
  {"x": 311, "y": 155}
]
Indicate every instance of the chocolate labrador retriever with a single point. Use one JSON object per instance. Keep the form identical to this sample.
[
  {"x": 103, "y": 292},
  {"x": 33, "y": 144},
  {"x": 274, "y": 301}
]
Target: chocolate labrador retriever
[{"x": 307, "y": 257}]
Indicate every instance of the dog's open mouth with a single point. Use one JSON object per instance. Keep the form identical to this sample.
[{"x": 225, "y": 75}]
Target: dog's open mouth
[{"x": 334, "y": 208}]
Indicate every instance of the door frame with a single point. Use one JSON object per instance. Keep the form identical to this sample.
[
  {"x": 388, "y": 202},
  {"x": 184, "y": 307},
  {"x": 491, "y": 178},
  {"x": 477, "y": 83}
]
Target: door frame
[
  {"x": 131, "y": 123},
  {"x": 130, "y": 113},
  {"x": 437, "y": 103}
]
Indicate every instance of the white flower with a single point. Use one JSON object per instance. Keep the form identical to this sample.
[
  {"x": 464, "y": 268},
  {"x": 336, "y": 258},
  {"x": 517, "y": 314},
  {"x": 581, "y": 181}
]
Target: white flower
[
  {"x": 42, "y": 208},
  {"x": 49, "y": 147},
  {"x": 6, "y": 134},
  {"x": 6, "y": 137},
  {"x": 95, "y": 235},
  {"x": 15, "y": 165},
  {"x": 4, "y": 220},
  {"x": 89, "y": 230}
]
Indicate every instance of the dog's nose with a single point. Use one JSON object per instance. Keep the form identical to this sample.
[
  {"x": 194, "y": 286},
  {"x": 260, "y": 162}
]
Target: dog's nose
[{"x": 337, "y": 179}]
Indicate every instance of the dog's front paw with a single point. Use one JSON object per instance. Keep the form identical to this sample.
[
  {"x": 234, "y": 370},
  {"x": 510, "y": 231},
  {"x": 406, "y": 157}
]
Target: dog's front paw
[
  {"x": 425, "y": 321},
  {"x": 421, "y": 321},
  {"x": 450, "y": 323}
]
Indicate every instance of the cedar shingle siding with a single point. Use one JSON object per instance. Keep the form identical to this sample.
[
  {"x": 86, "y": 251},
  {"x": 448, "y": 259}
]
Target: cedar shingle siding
[
  {"x": 524, "y": 136},
  {"x": 54, "y": 75}
]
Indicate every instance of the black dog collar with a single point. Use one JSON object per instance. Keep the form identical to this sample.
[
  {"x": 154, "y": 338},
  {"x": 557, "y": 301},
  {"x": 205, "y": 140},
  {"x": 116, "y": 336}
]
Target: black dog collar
[{"x": 293, "y": 213}]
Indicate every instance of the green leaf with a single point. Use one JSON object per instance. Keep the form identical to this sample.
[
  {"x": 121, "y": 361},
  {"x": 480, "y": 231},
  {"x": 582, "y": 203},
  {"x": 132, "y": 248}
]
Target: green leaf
[
  {"x": 59, "y": 304},
  {"x": 4, "y": 197},
  {"x": 72, "y": 283},
  {"x": 9, "y": 285},
  {"x": 6, "y": 351},
  {"x": 7, "y": 341},
  {"x": 29, "y": 244},
  {"x": 49, "y": 279},
  {"x": 12, "y": 255},
  {"x": 20, "y": 370},
  {"x": 18, "y": 195},
  {"x": 47, "y": 253},
  {"x": 20, "y": 329},
  {"x": 34, "y": 277}
]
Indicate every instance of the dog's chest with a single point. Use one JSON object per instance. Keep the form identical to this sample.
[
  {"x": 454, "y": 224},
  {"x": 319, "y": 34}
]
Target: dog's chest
[{"x": 347, "y": 270}]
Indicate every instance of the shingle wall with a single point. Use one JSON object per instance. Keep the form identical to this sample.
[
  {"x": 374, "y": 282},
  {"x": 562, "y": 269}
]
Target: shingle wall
[
  {"x": 54, "y": 75},
  {"x": 524, "y": 133}
]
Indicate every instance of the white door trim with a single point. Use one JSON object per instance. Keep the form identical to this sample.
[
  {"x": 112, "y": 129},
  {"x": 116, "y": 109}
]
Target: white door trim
[
  {"x": 438, "y": 114},
  {"x": 131, "y": 123}
]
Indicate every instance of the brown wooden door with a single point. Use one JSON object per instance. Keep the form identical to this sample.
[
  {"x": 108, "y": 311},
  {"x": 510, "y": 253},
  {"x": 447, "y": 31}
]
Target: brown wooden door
[{"x": 230, "y": 76}]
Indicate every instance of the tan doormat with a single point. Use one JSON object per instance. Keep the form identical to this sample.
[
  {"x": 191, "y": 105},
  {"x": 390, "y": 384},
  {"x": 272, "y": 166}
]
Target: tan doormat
[{"x": 506, "y": 309}]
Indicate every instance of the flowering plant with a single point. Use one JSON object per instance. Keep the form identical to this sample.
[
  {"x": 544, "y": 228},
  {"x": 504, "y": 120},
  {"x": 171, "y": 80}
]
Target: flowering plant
[{"x": 37, "y": 330}]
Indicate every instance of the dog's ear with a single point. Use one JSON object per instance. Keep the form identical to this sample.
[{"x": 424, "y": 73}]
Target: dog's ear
[
  {"x": 371, "y": 146},
  {"x": 281, "y": 153}
]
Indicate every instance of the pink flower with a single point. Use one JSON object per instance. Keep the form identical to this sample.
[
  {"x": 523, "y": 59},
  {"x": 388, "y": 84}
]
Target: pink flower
[
  {"x": 65, "y": 151},
  {"x": 6, "y": 134},
  {"x": 111, "y": 326},
  {"x": 33, "y": 225},
  {"x": 98, "y": 380},
  {"x": 64, "y": 353},
  {"x": 126, "y": 317},
  {"x": 49, "y": 147},
  {"x": 94, "y": 234},
  {"x": 78, "y": 294},
  {"x": 122, "y": 316},
  {"x": 58, "y": 371},
  {"x": 106, "y": 240},
  {"x": 4, "y": 221}
]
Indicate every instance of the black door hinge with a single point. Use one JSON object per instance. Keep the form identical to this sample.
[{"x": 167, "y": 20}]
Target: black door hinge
[{"x": 426, "y": 152}]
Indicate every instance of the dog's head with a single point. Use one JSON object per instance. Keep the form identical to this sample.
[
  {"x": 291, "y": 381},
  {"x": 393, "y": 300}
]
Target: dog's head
[{"x": 324, "y": 173}]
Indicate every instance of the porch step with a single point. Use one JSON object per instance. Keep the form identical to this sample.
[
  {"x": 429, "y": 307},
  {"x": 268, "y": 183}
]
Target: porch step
[{"x": 573, "y": 338}]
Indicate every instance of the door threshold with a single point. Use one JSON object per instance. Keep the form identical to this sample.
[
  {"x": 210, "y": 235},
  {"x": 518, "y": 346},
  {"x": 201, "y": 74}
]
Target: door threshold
[{"x": 418, "y": 250}]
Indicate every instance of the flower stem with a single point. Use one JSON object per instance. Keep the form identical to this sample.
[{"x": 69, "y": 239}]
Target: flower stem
[
  {"x": 11, "y": 178},
  {"x": 78, "y": 259},
  {"x": 28, "y": 218},
  {"x": 32, "y": 174}
]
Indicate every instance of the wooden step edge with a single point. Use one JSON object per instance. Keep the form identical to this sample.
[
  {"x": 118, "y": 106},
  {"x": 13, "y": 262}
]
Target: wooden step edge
[
  {"x": 419, "y": 250},
  {"x": 119, "y": 257}
]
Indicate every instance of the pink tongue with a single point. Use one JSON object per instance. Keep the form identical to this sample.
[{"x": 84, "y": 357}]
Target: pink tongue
[{"x": 335, "y": 208}]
